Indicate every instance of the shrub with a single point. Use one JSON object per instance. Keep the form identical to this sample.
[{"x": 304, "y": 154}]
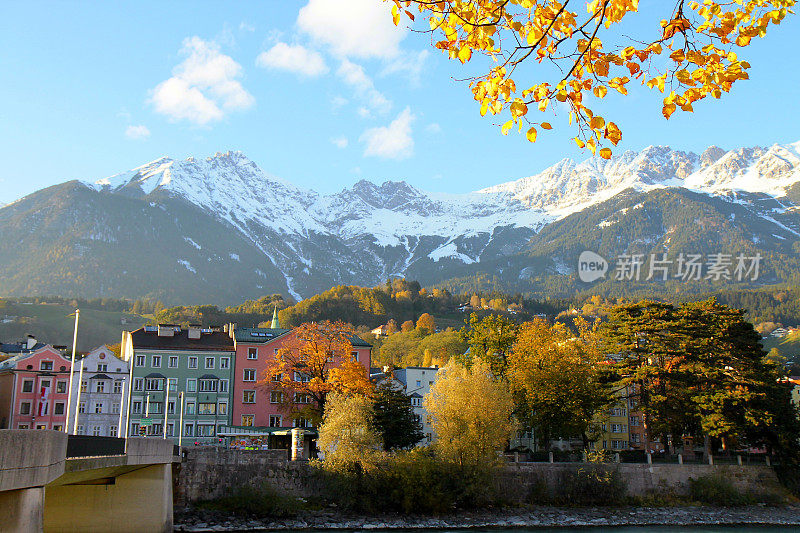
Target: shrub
[
  {"x": 591, "y": 485},
  {"x": 716, "y": 489}
]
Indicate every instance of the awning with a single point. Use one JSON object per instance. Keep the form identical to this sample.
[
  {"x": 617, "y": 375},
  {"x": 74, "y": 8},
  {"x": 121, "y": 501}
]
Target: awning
[{"x": 259, "y": 431}]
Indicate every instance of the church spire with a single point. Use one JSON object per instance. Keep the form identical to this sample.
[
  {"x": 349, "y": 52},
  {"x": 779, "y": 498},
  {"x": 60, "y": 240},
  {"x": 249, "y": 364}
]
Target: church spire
[{"x": 275, "y": 323}]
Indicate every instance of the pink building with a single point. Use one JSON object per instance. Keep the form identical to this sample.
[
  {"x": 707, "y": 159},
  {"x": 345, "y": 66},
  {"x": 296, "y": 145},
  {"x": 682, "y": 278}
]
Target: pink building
[
  {"x": 34, "y": 389},
  {"x": 252, "y": 404}
]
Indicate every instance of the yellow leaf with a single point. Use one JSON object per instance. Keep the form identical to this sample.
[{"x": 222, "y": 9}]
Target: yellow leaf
[
  {"x": 395, "y": 15},
  {"x": 507, "y": 126},
  {"x": 580, "y": 143},
  {"x": 596, "y": 123},
  {"x": 546, "y": 126},
  {"x": 605, "y": 153},
  {"x": 531, "y": 135},
  {"x": 464, "y": 54}
]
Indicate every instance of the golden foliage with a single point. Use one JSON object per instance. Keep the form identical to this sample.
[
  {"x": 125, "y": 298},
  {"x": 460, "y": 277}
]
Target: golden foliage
[
  {"x": 471, "y": 414},
  {"x": 315, "y": 361},
  {"x": 347, "y": 436},
  {"x": 692, "y": 56}
]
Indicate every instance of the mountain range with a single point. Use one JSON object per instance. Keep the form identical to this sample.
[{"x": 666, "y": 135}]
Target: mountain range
[{"x": 220, "y": 229}]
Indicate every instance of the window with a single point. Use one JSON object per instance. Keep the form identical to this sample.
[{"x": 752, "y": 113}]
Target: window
[
  {"x": 247, "y": 420},
  {"x": 277, "y": 377},
  {"x": 302, "y": 378},
  {"x": 248, "y": 396},
  {"x": 223, "y": 385},
  {"x": 25, "y": 408},
  {"x": 206, "y": 408},
  {"x": 222, "y": 408},
  {"x": 138, "y": 384},
  {"x": 419, "y": 383},
  {"x": 96, "y": 431},
  {"x": 135, "y": 429},
  {"x": 171, "y": 407},
  {"x": 205, "y": 430},
  {"x": 27, "y": 385},
  {"x": 154, "y": 384},
  {"x": 331, "y": 357},
  {"x": 59, "y": 408},
  {"x": 275, "y": 421},
  {"x": 61, "y": 387},
  {"x": 193, "y": 362},
  {"x": 634, "y": 421},
  {"x": 189, "y": 408},
  {"x": 252, "y": 353},
  {"x": 140, "y": 360},
  {"x": 249, "y": 374},
  {"x": 80, "y": 430},
  {"x": 23, "y": 426},
  {"x": 137, "y": 407},
  {"x": 82, "y": 407},
  {"x": 98, "y": 407},
  {"x": 156, "y": 429},
  {"x": 275, "y": 351},
  {"x": 173, "y": 384},
  {"x": 102, "y": 367},
  {"x": 100, "y": 386},
  {"x": 188, "y": 430},
  {"x": 155, "y": 408},
  {"x": 191, "y": 385},
  {"x": 112, "y": 431},
  {"x": 618, "y": 411},
  {"x": 301, "y": 398},
  {"x": 302, "y": 423},
  {"x": 209, "y": 363},
  {"x": 46, "y": 365},
  {"x": 618, "y": 428},
  {"x": 84, "y": 386},
  {"x": 635, "y": 438},
  {"x": 173, "y": 361},
  {"x": 156, "y": 361},
  {"x": 115, "y": 408},
  {"x": 208, "y": 385},
  {"x": 416, "y": 401},
  {"x": 619, "y": 444},
  {"x": 170, "y": 429},
  {"x": 276, "y": 396},
  {"x": 354, "y": 356},
  {"x": 118, "y": 387},
  {"x": 224, "y": 362}
]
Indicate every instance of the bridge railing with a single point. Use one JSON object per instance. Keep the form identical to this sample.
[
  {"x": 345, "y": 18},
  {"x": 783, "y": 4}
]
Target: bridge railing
[{"x": 90, "y": 446}]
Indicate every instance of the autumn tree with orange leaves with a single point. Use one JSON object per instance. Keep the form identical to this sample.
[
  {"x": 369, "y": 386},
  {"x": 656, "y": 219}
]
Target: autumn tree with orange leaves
[
  {"x": 693, "y": 54},
  {"x": 314, "y": 362}
]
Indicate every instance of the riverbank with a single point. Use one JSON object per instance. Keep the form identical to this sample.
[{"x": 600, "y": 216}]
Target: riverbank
[{"x": 197, "y": 520}]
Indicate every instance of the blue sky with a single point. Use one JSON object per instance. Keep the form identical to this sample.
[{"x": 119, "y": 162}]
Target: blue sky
[{"x": 90, "y": 89}]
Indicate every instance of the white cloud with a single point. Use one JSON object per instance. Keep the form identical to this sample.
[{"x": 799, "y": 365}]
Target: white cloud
[
  {"x": 338, "y": 101},
  {"x": 340, "y": 142},
  {"x": 203, "y": 87},
  {"x": 433, "y": 127},
  {"x": 393, "y": 141},
  {"x": 294, "y": 58},
  {"x": 356, "y": 28},
  {"x": 408, "y": 63},
  {"x": 246, "y": 26},
  {"x": 137, "y": 132},
  {"x": 354, "y": 75}
]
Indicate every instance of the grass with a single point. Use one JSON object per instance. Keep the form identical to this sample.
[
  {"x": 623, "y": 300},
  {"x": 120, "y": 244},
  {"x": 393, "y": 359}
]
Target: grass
[{"x": 255, "y": 502}]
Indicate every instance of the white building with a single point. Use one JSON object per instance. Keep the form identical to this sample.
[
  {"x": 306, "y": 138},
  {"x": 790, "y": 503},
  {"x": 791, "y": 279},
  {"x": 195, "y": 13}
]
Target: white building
[
  {"x": 417, "y": 382},
  {"x": 99, "y": 407}
]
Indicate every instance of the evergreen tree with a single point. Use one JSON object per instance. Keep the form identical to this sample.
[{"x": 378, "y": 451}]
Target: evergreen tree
[{"x": 394, "y": 418}]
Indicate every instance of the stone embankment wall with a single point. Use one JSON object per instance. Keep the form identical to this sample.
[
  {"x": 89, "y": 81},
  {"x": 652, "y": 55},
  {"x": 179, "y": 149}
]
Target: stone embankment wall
[{"x": 208, "y": 473}]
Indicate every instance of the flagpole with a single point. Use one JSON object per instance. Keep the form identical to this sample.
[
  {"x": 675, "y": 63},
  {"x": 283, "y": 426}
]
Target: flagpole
[
  {"x": 166, "y": 409},
  {"x": 72, "y": 370},
  {"x": 180, "y": 424},
  {"x": 78, "y": 399}
]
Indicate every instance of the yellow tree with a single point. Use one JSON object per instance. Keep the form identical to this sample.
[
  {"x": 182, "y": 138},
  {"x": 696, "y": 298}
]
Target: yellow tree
[
  {"x": 315, "y": 361},
  {"x": 426, "y": 324},
  {"x": 470, "y": 413},
  {"x": 347, "y": 436},
  {"x": 693, "y": 54},
  {"x": 557, "y": 379}
]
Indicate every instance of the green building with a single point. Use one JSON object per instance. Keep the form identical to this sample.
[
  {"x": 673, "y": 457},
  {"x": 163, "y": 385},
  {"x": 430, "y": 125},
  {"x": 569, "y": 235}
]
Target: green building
[{"x": 181, "y": 382}]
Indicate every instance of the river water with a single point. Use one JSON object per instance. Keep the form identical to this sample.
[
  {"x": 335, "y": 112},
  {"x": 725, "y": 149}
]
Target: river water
[{"x": 584, "y": 529}]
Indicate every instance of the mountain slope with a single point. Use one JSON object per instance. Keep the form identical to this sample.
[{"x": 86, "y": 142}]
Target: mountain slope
[{"x": 220, "y": 229}]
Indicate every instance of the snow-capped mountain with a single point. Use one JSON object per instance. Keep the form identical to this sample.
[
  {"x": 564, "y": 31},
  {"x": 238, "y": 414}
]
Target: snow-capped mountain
[{"x": 220, "y": 228}]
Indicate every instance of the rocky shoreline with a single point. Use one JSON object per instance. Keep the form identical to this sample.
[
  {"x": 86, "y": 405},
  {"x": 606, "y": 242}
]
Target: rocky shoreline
[{"x": 197, "y": 520}]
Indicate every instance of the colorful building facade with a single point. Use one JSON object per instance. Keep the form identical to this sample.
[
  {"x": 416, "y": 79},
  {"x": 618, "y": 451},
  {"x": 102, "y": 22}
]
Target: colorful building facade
[
  {"x": 34, "y": 389},
  {"x": 98, "y": 399},
  {"x": 176, "y": 369}
]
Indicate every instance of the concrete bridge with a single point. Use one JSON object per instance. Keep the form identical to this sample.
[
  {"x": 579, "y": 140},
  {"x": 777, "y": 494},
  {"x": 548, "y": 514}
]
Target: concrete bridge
[{"x": 50, "y": 481}]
